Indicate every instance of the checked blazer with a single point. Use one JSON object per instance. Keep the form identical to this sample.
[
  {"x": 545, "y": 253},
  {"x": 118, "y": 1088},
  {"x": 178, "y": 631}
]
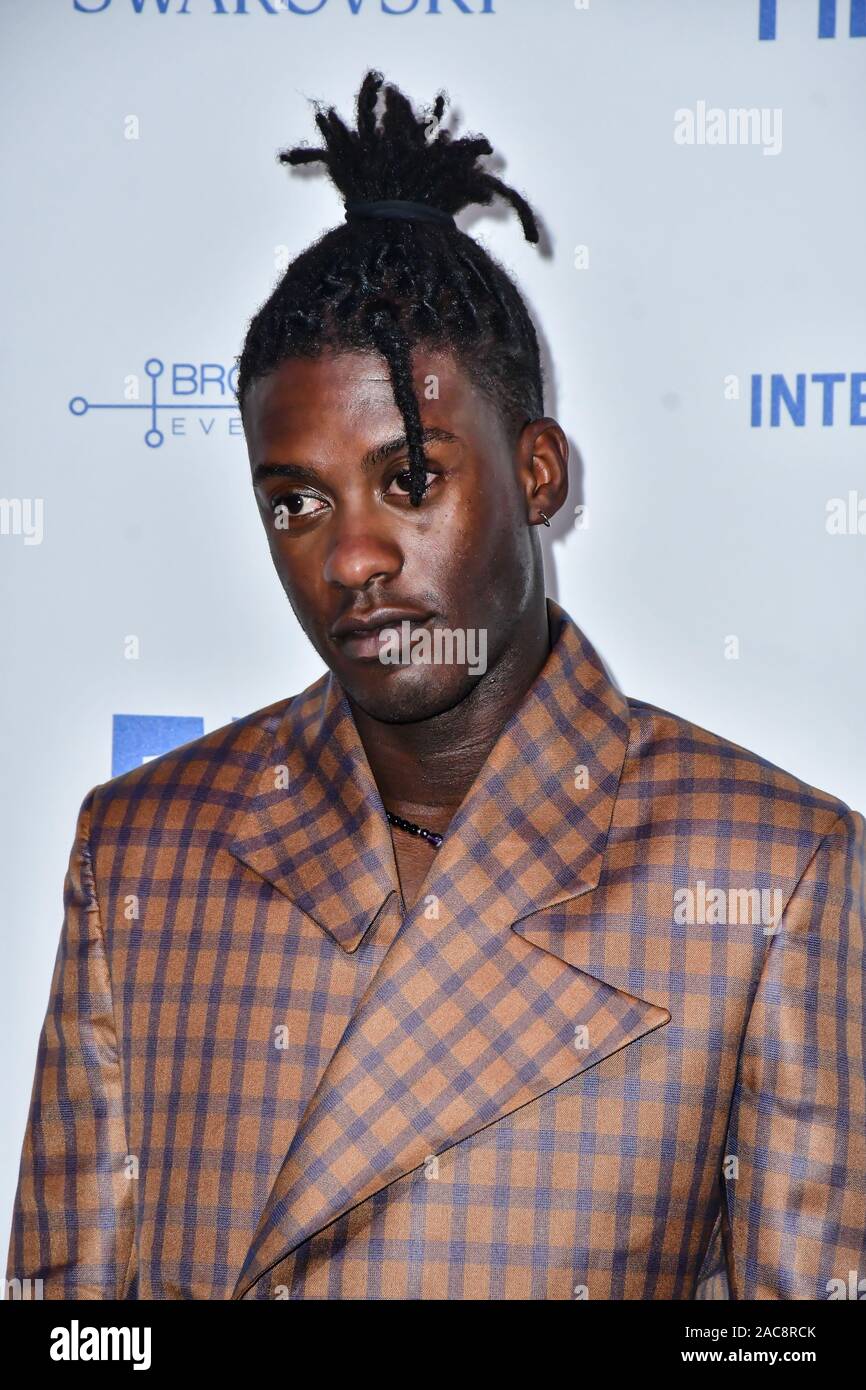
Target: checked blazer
[{"x": 260, "y": 1077}]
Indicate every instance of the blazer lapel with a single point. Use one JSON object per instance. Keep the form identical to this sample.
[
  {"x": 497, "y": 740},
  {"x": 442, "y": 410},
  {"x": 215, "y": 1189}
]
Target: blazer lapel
[
  {"x": 315, "y": 827},
  {"x": 466, "y": 1020}
]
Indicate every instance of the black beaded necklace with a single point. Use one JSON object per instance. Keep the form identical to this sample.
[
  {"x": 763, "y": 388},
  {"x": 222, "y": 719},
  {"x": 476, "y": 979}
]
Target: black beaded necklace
[{"x": 411, "y": 828}]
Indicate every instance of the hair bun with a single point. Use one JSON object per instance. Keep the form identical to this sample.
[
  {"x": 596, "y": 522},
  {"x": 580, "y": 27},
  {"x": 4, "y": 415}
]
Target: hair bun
[{"x": 401, "y": 157}]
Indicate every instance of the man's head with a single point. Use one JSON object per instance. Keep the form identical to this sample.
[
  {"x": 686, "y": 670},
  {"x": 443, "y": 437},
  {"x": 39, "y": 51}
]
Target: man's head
[
  {"x": 327, "y": 447},
  {"x": 405, "y": 334}
]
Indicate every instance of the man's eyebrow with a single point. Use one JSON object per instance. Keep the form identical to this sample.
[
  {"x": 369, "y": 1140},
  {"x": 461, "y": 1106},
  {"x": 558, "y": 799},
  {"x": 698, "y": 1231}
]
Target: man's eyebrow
[
  {"x": 295, "y": 471},
  {"x": 431, "y": 435}
]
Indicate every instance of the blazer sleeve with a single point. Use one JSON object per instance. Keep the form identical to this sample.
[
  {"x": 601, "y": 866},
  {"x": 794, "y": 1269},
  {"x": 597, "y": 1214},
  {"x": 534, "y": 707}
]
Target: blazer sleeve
[
  {"x": 796, "y": 1197},
  {"x": 73, "y": 1223}
]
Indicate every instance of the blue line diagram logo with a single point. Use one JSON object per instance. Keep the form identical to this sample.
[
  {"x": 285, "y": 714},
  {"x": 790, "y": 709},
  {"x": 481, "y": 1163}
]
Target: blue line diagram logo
[{"x": 188, "y": 379}]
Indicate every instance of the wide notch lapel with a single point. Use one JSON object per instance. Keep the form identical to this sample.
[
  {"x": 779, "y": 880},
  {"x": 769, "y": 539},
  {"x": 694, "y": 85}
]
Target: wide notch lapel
[
  {"x": 465, "y": 1020},
  {"x": 316, "y": 827}
]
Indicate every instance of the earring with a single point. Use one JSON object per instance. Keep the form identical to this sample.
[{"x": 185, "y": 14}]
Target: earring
[{"x": 544, "y": 518}]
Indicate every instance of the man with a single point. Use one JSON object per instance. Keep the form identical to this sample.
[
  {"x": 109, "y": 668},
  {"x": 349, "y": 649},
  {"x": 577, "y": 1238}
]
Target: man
[{"x": 459, "y": 975}]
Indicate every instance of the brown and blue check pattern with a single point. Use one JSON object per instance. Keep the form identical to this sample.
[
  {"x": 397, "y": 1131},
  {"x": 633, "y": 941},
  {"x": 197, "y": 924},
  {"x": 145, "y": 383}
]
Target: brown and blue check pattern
[{"x": 260, "y": 1077}]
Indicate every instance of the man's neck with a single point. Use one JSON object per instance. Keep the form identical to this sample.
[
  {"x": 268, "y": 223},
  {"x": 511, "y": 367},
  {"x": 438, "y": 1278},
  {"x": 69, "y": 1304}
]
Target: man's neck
[{"x": 423, "y": 770}]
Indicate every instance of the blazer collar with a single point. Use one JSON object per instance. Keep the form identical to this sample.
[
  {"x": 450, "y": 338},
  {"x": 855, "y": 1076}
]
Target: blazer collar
[{"x": 536, "y": 818}]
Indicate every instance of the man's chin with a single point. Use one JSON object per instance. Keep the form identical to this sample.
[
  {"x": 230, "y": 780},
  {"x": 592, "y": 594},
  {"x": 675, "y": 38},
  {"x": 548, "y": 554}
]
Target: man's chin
[{"x": 406, "y": 694}]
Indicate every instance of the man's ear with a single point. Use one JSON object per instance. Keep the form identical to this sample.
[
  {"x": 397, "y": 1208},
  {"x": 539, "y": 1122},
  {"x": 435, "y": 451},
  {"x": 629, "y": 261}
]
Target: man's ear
[{"x": 542, "y": 460}]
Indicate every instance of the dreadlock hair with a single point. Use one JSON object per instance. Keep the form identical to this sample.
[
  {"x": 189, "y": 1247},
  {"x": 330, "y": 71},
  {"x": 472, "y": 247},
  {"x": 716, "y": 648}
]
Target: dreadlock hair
[{"x": 389, "y": 284}]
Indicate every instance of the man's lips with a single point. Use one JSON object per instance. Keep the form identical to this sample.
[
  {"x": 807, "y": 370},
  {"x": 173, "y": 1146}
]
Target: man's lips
[{"x": 359, "y": 635}]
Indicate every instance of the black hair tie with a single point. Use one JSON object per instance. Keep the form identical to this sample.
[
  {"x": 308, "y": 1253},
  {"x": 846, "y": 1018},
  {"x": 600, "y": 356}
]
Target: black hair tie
[{"x": 400, "y": 207}]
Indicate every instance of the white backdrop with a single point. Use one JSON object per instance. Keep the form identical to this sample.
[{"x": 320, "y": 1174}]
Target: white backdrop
[{"x": 147, "y": 218}]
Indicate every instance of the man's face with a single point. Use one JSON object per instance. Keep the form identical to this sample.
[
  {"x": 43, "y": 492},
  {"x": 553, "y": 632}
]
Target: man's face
[{"x": 330, "y": 469}]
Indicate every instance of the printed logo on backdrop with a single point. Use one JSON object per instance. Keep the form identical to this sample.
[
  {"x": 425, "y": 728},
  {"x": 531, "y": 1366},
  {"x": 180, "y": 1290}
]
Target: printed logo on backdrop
[
  {"x": 297, "y": 7},
  {"x": 808, "y": 398},
  {"x": 823, "y": 399},
  {"x": 197, "y": 391},
  {"x": 827, "y": 24},
  {"x": 139, "y": 738},
  {"x": 827, "y": 12}
]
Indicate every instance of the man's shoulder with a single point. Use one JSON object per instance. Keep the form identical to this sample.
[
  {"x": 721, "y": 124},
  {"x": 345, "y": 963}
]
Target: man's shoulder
[
  {"x": 709, "y": 777},
  {"x": 217, "y": 766}
]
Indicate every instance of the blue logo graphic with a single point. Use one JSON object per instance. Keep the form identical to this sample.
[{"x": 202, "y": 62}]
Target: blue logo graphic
[
  {"x": 826, "y": 19},
  {"x": 136, "y": 738},
  {"x": 187, "y": 379},
  {"x": 824, "y": 397}
]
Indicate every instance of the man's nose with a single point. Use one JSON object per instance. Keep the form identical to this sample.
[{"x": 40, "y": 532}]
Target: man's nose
[{"x": 359, "y": 556}]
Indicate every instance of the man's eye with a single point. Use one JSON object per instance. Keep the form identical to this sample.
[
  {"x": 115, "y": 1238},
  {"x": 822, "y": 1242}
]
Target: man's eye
[
  {"x": 403, "y": 479},
  {"x": 296, "y": 503}
]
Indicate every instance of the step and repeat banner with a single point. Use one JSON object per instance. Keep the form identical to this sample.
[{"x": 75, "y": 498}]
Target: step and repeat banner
[{"x": 700, "y": 295}]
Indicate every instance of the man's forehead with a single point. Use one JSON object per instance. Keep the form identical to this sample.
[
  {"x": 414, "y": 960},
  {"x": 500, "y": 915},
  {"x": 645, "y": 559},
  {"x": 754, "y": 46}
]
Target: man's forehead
[{"x": 336, "y": 393}]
